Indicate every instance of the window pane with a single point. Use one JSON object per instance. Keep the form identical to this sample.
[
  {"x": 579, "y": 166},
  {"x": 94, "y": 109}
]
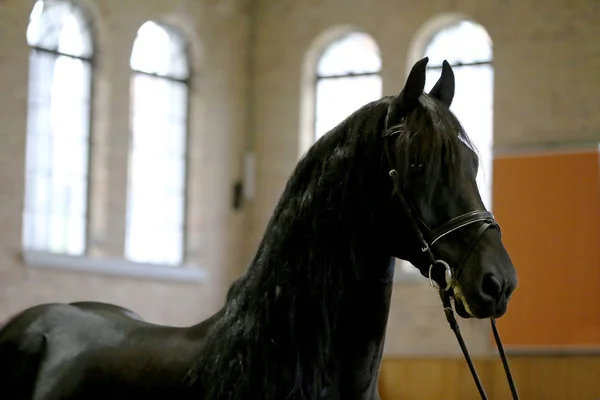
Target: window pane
[
  {"x": 60, "y": 26},
  {"x": 463, "y": 42},
  {"x": 160, "y": 246},
  {"x": 156, "y": 197},
  {"x": 41, "y": 70},
  {"x": 40, "y": 235},
  {"x": 57, "y": 153},
  {"x": 45, "y": 23},
  {"x": 74, "y": 38},
  {"x": 76, "y": 234},
  {"x": 160, "y": 50},
  {"x": 337, "y": 98},
  {"x": 179, "y": 67},
  {"x": 353, "y": 53}
]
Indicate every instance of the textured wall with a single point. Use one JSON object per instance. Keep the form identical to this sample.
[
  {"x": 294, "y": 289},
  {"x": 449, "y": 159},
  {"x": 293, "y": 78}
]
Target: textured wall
[
  {"x": 218, "y": 35},
  {"x": 546, "y": 59}
]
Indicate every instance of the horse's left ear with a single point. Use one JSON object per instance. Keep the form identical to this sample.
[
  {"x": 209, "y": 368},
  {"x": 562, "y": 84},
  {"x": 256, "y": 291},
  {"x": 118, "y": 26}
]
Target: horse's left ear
[
  {"x": 443, "y": 90},
  {"x": 408, "y": 98},
  {"x": 413, "y": 88}
]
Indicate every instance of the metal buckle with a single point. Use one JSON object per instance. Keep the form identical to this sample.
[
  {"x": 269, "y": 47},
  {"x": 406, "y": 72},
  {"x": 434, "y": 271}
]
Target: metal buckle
[{"x": 447, "y": 275}]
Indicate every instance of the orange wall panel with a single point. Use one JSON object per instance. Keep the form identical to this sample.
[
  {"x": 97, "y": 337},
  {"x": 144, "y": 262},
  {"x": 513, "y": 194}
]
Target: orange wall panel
[{"x": 548, "y": 207}]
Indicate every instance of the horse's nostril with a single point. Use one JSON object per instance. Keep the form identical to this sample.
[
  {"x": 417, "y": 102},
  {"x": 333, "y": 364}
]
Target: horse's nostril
[{"x": 491, "y": 286}]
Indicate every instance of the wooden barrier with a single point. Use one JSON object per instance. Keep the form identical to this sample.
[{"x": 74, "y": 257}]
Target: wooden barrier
[{"x": 575, "y": 377}]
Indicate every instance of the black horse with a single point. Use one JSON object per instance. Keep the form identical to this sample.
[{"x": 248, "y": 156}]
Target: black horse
[{"x": 307, "y": 320}]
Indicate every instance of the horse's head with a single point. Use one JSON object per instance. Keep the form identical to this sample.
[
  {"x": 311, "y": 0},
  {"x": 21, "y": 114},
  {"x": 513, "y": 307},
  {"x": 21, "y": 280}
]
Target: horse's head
[{"x": 434, "y": 168}]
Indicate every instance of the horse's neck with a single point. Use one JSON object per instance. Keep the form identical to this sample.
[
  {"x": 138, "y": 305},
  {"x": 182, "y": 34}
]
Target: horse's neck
[
  {"x": 362, "y": 334},
  {"x": 310, "y": 312}
]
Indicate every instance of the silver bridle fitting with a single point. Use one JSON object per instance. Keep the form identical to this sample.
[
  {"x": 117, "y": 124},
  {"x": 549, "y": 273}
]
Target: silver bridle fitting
[{"x": 447, "y": 275}]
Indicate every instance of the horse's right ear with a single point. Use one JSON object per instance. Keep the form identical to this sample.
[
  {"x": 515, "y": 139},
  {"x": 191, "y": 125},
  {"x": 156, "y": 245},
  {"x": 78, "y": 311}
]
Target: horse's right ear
[{"x": 408, "y": 98}]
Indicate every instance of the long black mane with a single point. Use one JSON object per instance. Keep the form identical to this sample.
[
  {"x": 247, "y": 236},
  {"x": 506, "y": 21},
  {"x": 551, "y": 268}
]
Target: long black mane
[{"x": 320, "y": 239}]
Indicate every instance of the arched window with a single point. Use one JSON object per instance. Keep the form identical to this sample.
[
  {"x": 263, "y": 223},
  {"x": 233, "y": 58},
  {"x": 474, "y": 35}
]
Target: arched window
[
  {"x": 468, "y": 48},
  {"x": 58, "y": 128},
  {"x": 157, "y": 165},
  {"x": 348, "y": 76}
]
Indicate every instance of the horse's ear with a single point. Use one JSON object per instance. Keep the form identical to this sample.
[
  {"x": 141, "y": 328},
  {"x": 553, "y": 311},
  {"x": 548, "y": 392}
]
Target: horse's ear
[
  {"x": 443, "y": 90},
  {"x": 415, "y": 83},
  {"x": 408, "y": 98}
]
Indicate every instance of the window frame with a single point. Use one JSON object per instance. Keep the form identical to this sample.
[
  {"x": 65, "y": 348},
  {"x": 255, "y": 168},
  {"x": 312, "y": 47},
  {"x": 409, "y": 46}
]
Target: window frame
[
  {"x": 42, "y": 260},
  {"x": 187, "y": 81},
  {"x": 82, "y": 15}
]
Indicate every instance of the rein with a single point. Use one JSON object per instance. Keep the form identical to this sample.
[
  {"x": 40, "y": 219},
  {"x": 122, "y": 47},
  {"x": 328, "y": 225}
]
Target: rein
[{"x": 440, "y": 273}]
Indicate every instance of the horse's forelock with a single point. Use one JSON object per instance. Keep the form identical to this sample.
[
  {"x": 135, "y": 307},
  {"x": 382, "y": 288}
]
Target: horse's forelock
[{"x": 433, "y": 141}]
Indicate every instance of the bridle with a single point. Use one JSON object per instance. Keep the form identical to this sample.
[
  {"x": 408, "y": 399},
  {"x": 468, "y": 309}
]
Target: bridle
[{"x": 439, "y": 272}]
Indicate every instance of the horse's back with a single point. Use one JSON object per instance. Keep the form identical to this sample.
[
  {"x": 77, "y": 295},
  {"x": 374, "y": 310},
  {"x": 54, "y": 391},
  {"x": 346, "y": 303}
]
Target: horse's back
[
  {"x": 57, "y": 319},
  {"x": 101, "y": 307},
  {"x": 61, "y": 330},
  {"x": 90, "y": 350}
]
